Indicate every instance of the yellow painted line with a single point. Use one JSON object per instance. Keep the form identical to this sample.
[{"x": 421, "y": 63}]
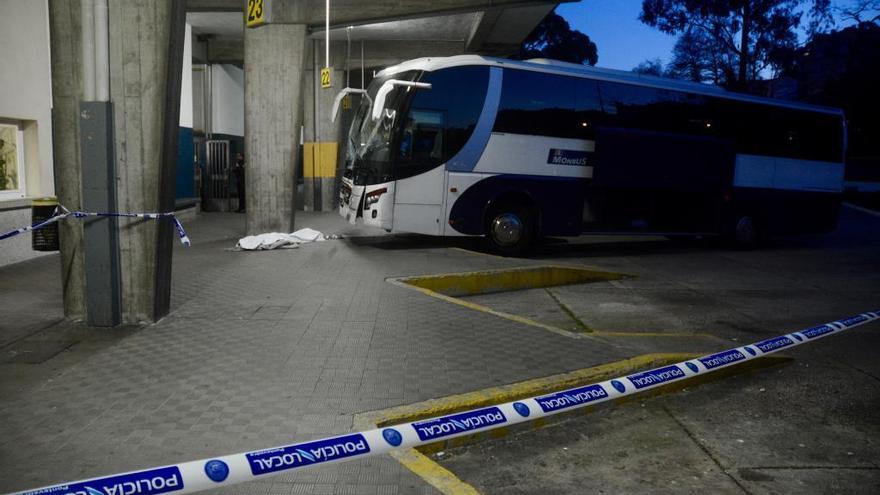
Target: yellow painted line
[
  {"x": 445, "y": 481},
  {"x": 656, "y": 334},
  {"x": 442, "y": 281},
  {"x": 520, "y": 390},
  {"x": 528, "y": 321},
  {"x": 485, "y": 309},
  {"x": 509, "y": 279},
  {"x": 434, "y": 474},
  {"x": 319, "y": 159}
]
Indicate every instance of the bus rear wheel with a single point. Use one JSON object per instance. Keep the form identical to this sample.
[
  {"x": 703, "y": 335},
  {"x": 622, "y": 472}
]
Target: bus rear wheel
[
  {"x": 510, "y": 229},
  {"x": 743, "y": 232}
]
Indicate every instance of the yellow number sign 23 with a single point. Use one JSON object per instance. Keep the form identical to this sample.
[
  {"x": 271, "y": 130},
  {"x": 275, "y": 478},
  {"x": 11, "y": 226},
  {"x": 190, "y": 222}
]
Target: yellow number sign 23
[{"x": 256, "y": 13}]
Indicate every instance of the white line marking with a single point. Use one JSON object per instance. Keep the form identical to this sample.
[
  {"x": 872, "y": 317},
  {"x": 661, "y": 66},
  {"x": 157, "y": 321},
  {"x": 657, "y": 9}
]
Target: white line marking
[{"x": 862, "y": 209}]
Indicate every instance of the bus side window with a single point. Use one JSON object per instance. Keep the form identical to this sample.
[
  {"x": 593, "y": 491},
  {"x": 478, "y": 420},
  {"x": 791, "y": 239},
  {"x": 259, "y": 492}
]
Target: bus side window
[
  {"x": 660, "y": 110},
  {"x": 588, "y": 108},
  {"x": 767, "y": 130},
  {"x": 637, "y": 107},
  {"x": 537, "y": 104},
  {"x": 812, "y": 136},
  {"x": 422, "y": 138}
]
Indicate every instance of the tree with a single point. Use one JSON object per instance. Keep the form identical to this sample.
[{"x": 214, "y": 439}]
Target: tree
[
  {"x": 861, "y": 11},
  {"x": 653, "y": 67},
  {"x": 741, "y": 38},
  {"x": 839, "y": 69},
  {"x": 697, "y": 57},
  {"x": 693, "y": 59},
  {"x": 554, "y": 38}
]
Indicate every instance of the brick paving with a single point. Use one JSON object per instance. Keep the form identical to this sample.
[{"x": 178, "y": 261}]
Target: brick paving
[
  {"x": 268, "y": 348},
  {"x": 262, "y": 349}
]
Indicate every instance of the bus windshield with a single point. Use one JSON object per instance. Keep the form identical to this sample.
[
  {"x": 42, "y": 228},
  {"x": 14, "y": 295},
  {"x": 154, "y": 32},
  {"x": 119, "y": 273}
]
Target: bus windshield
[{"x": 368, "y": 146}]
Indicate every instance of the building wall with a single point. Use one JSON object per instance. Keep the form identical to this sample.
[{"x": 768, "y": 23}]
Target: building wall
[
  {"x": 26, "y": 100},
  {"x": 185, "y": 179},
  {"x": 186, "y": 84},
  {"x": 227, "y": 96},
  {"x": 227, "y": 110}
]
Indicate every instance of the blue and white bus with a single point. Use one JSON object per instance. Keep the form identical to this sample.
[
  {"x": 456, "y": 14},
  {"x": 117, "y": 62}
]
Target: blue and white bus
[{"x": 512, "y": 151}]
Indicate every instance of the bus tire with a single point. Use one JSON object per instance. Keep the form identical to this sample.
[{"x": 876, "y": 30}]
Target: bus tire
[
  {"x": 743, "y": 232},
  {"x": 510, "y": 229}
]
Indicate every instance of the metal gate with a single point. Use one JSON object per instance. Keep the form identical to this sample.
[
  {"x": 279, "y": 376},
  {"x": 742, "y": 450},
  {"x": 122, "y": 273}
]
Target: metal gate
[{"x": 218, "y": 160}]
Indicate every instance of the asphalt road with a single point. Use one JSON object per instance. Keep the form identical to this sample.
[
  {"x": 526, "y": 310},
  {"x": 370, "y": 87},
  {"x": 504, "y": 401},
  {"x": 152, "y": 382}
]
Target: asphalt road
[{"x": 809, "y": 426}]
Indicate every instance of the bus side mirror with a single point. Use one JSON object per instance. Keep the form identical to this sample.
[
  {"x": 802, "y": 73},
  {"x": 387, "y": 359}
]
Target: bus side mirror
[
  {"x": 342, "y": 94},
  {"x": 382, "y": 94}
]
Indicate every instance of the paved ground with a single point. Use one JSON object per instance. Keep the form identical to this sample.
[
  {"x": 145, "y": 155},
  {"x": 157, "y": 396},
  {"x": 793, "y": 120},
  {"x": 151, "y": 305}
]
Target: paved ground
[
  {"x": 272, "y": 347},
  {"x": 809, "y": 427}
]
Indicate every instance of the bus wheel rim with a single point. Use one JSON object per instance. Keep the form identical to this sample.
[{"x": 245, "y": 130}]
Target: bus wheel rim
[
  {"x": 745, "y": 229},
  {"x": 507, "y": 229}
]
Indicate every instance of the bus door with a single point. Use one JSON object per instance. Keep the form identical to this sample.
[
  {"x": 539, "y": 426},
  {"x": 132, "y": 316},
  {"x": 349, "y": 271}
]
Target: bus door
[
  {"x": 418, "y": 202},
  {"x": 434, "y": 127}
]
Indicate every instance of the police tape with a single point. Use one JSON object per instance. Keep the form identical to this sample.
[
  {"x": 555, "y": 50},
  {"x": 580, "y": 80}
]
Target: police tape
[
  {"x": 61, "y": 213},
  {"x": 205, "y": 474}
]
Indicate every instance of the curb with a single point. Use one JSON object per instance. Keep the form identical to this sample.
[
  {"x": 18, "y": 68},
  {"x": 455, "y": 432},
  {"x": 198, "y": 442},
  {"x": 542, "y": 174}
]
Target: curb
[{"x": 417, "y": 459}]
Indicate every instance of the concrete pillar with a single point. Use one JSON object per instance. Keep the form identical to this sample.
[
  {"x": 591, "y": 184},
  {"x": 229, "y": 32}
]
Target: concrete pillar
[
  {"x": 65, "y": 42},
  {"x": 273, "y": 94},
  {"x": 139, "y": 85},
  {"x": 322, "y": 139}
]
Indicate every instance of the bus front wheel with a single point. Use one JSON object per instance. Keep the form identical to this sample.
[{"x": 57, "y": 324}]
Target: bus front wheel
[{"x": 510, "y": 229}]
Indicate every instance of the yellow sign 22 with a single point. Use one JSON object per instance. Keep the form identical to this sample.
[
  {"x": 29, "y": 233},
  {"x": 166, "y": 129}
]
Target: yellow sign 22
[
  {"x": 256, "y": 13},
  {"x": 325, "y": 77}
]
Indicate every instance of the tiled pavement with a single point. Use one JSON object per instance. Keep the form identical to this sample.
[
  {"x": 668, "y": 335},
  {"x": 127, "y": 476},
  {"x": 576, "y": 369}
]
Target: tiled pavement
[
  {"x": 267, "y": 348},
  {"x": 272, "y": 347}
]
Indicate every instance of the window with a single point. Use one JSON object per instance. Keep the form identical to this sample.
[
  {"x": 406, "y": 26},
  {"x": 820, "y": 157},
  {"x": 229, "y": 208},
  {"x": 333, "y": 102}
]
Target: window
[
  {"x": 370, "y": 141},
  {"x": 632, "y": 106},
  {"x": 588, "y": 108},
  {"x": 11, "y": 162},
  {"x": 440, "y": 119},
  {"x": 655, "y": 109},
  {"x": 538, "y": 104},
  {"x": 812, "y": 135},
  {"x": 422, "y": 139},
  {"x": 758, "y": 129},
  {"x": 784, "y": 132}
]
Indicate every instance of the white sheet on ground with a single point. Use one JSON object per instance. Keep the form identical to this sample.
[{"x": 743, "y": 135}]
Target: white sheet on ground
[{"x": 275, "y": 240}]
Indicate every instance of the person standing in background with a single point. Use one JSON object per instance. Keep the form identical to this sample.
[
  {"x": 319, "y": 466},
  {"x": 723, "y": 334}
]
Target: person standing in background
[{"x": 238, "y": 170}]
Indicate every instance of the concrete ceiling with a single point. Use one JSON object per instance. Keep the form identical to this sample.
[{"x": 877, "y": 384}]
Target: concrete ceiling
[
  {"x": 352, "y": 12},
  {"x": 229, "y": 25},
  {"x": 514, "y": 24},
  {"x": 496, "y": 30},
  {"x": 456, "y": 27},
  {"x": 214, "y": 5}
]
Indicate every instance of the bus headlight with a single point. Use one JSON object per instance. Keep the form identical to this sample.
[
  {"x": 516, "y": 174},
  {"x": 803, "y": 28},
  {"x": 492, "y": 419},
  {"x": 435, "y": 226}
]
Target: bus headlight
[{"x": 372, "y": 197}]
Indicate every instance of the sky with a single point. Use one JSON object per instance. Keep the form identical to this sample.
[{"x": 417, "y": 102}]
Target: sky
[
  {"x": 623, "y": 41},
  {"x": 614, "y": 25}
]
